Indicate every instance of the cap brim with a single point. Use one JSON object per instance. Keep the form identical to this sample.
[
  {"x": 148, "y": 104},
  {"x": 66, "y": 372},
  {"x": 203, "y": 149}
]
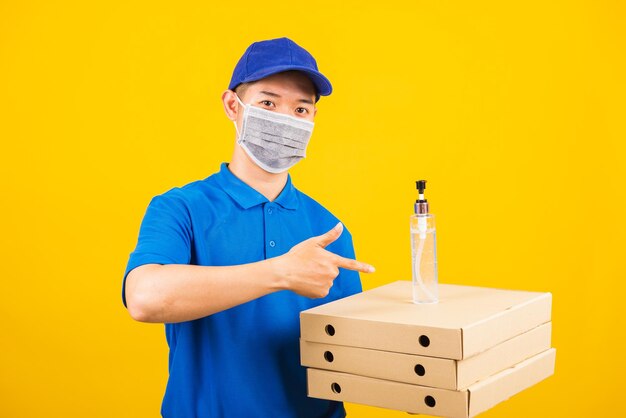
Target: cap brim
[{"x": 322, "y": 84}]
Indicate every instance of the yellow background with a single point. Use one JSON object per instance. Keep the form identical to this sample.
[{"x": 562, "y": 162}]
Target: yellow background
[{"x": 513, "y": 112}]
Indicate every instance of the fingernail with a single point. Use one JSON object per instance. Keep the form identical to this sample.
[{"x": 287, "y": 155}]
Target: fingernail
[
  {"x": 370, "y": 269},
  {"x": 338, "y": 226}
]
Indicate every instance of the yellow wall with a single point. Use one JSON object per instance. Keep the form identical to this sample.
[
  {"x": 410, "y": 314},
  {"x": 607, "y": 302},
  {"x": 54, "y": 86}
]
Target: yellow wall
[{"x": 513, "y": 112}]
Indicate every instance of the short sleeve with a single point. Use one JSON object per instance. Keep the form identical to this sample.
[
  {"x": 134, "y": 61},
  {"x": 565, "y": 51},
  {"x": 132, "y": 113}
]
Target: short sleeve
[{"x": 165, "y": 234}]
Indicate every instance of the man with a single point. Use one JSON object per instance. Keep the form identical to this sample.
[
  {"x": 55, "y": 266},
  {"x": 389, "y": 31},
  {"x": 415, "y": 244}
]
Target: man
[{"x": 228, "y": 262}]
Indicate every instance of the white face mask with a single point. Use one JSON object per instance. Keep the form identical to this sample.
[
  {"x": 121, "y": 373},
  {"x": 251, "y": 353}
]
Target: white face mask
[{"x": 274, "y": 141}]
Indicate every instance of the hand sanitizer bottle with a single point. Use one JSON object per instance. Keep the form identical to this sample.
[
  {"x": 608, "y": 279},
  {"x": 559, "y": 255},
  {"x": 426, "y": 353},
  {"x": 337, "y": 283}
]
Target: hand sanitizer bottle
[{"x": 424, "y": 249}]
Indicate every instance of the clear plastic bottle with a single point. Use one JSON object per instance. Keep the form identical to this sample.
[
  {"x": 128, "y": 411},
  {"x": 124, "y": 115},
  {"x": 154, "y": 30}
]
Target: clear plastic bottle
[{"x": 424, "y": 251}]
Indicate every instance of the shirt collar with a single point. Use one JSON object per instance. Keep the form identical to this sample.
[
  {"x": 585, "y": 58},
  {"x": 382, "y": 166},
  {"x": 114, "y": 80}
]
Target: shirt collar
[{"x": 247, "y": 197}]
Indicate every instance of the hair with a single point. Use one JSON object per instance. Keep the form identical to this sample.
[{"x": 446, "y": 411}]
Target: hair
[{"x": 241, "y": 89}]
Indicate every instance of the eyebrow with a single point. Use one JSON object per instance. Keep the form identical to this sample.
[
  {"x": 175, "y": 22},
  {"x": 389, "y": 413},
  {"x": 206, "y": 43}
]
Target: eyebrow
[{"x": 269, "y": 93}]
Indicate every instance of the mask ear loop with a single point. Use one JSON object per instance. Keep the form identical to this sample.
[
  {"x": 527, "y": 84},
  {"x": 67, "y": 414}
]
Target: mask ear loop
[
  {"x": 236, "y": 130},
  {"x": 235, "y": 121}
]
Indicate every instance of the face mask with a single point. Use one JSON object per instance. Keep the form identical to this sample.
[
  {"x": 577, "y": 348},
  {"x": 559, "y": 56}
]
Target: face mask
[{"x": 274, "y": 141}]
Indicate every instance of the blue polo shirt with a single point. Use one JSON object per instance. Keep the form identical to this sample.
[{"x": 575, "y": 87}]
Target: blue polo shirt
[{"x": 244, "y": 361}]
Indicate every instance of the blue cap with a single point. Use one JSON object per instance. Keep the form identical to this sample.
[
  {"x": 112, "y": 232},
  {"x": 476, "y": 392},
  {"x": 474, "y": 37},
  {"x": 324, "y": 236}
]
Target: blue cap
[{"x": 265, "y": 58}]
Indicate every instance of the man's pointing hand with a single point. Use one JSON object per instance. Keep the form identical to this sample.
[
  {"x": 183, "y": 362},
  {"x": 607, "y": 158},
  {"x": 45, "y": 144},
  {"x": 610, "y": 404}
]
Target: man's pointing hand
[{"x": 309, "y": 269}]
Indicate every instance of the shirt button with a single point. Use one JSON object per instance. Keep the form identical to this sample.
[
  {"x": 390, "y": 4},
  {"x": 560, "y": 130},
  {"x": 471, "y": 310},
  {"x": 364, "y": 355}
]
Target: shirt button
[
  {"x": 269, "y": 211},
  {"x": 272, "y": 244}
]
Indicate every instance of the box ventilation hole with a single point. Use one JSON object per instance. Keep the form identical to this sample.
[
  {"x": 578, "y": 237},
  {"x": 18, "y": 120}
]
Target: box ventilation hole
[
  {"x": 424, "y": 340},
  {"x": 330, "y": 330},
  {"x": 420, "y": 370},
  {"x": 336, "y": 388},
  {"x": 329, "y": 356},
  {"x": 430, "y": 401}
]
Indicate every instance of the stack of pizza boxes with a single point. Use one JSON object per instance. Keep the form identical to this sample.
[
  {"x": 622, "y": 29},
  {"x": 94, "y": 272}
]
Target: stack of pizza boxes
[{"x": 457, "y": 358}]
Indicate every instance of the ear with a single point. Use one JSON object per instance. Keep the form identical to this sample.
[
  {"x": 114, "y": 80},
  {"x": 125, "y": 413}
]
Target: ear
[{"x": 231, "y": 106}]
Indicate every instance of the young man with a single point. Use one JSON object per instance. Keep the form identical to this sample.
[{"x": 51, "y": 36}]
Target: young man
[{"x": 228, "y": 262}]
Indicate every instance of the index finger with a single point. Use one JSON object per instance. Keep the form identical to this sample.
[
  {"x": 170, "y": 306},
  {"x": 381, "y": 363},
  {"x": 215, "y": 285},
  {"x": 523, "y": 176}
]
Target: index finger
[{"x": 350, "y": 264}]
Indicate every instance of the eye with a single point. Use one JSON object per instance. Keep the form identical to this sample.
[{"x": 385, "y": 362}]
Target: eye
[
  {"x": 302, "y": 110},
  {"x": 267, "y": 103}
]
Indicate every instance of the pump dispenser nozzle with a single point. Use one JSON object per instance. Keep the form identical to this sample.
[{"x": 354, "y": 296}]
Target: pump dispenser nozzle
[
  {"x": 421, "y": 204},
  {"x": 421, "y": 186}
]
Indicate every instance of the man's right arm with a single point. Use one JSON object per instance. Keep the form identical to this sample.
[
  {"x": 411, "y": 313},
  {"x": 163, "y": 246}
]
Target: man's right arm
[{"x": 180, "y": 292}]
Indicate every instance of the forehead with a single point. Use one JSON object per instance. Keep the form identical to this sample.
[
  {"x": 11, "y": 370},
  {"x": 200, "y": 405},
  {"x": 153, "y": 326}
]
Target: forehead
[{"x": 285, "y": 84}]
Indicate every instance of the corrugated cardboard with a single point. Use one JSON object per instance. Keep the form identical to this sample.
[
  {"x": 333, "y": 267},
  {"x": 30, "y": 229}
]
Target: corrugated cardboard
[
  {"x": 423, "y": 370},
  {"x": 469, "y": 402},
  {"x": 466, "y": 321}
]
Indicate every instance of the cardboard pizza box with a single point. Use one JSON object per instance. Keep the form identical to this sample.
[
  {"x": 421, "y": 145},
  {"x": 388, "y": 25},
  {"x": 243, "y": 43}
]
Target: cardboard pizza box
[
  {"x": 417, "y": 399},
  {"x": 467, "y": 320},
  {"x": 423, "y": 370}
]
